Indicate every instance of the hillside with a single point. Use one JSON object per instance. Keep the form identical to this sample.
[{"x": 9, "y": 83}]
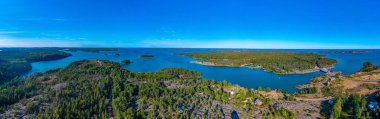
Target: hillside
[
  {"x": 16, "y": 61},
  {"x": 352, "y": 95},
  {"x": 102, "y": 89},
  {"x": 364, "y": 82}
]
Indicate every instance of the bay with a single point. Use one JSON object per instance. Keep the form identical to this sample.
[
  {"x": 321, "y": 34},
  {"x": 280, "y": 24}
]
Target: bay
[{"x": 250, "y": 78}]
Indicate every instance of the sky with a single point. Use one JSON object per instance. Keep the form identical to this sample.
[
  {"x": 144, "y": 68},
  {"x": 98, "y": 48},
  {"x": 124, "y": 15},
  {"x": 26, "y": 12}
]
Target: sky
[{"x": 272, "y": 24}]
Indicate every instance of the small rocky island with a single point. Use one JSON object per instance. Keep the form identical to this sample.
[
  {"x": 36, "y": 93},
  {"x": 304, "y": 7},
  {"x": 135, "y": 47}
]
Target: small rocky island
[
  {"x": 125, "y": 62},
  {"x": 271, "y": 61},
  {"x": 146, "y": 56}
]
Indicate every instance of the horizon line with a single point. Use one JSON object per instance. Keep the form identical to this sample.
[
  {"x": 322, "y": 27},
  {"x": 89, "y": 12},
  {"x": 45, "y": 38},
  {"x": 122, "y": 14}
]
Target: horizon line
[{"x": 208, "y": 48}]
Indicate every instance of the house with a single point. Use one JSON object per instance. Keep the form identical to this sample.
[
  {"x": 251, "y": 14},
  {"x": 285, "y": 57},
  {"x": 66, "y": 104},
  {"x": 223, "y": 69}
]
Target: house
[
  {"x": 258, "y": 102},
  {"x": 373, "y": 105},
  {"x": 332, "y": 78},
  {"x": 328, "y": 83},
  {"x": 99, "y": 62},
  {"x": 231, "y": 92}
]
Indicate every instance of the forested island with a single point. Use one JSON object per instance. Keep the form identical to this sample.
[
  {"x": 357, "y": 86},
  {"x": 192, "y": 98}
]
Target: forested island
[
  {"x": 347, "y": 51},
  {"x": 125, "y": 62},
  {"x": 103, "y": 89},
  {"x": 276, "y": 62},
  {"x": 146, "y": 56},
  {"x": 16, "y": 61},
  {"x": 95, "y": 50}
]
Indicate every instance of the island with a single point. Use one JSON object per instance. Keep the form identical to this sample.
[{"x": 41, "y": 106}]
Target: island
[
  {"x": 347, "y": 51},
  {"x": 125, "y": 62},
  {"x": 94, "y": 50},
  {"x": 146, "y": 56},
  {"x": 271, "y": 61}
]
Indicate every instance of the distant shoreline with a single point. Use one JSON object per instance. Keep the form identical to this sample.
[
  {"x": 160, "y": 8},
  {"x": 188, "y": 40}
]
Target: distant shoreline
[{"x": 306, "y": 71}]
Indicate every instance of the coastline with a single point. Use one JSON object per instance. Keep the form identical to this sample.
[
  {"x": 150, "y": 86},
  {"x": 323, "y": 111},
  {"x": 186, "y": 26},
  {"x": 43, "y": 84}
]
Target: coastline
[{"x": 306, "y": 71}]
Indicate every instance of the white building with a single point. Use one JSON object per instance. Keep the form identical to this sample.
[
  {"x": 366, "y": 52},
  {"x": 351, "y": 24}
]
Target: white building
[{"x": 258, "y": 102}]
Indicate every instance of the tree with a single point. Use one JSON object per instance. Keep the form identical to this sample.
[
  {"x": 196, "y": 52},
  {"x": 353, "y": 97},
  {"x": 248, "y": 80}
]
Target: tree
[
  {"x": 367, "y": 65},
  {"x": 337, "y": 109}
]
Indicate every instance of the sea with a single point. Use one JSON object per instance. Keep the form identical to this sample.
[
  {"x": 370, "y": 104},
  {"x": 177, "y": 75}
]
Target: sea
[{"x": 348, "y": 63}]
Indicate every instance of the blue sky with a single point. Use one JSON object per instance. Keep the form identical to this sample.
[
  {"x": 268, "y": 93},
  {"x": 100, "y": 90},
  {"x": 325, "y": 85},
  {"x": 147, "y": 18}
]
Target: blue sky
[{"x": 192, "y": 23}]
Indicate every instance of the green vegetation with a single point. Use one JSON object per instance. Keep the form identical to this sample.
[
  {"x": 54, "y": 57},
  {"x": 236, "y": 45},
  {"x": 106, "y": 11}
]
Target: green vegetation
[
  {"x": 276, "y": 62},
  {"x": 16, "y": 90},
  {"x": 353, "y": 106},
  {"x": 340, "y": 86},
  {"x": 312, "y": 90},
  {"x": 16, "y": 61},
  {"x": 125, "y": 62},
  {"x": 100, "y": 89},
  {"x": 347, "y": 51},
  {"x": 347, "y": 97},
  {"x": 368, "y": 67},
  {"x": 267, "y": 89},
  {"x": 90, "y": 89},
  {"x": 279, "y": 113},
  {"x": 146, "y": 56}
]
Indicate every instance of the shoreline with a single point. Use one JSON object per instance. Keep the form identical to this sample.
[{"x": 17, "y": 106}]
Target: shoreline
[{"x": 306, "y": 71}]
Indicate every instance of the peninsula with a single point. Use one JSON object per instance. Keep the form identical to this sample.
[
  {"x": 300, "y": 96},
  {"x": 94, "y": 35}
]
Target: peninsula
[
  {"x": 16, "y": 61},
  {"x": 271, "y": 61}
]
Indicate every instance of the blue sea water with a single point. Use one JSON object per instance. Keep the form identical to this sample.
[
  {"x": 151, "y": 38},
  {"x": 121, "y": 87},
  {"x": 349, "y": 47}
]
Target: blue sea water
[{"x": 250, "y": 78}]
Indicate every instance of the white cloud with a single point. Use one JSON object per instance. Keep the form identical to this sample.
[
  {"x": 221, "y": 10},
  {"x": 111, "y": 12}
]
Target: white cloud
[
  {"x": 40, "y": 42},
  {"x": 44, "y": 19},
  {"x": 10, "y": 32},
  {"x": 58, "y": 19},
  {"x": 46, "y": 42},
  {"x": 174, "y": 43}
]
